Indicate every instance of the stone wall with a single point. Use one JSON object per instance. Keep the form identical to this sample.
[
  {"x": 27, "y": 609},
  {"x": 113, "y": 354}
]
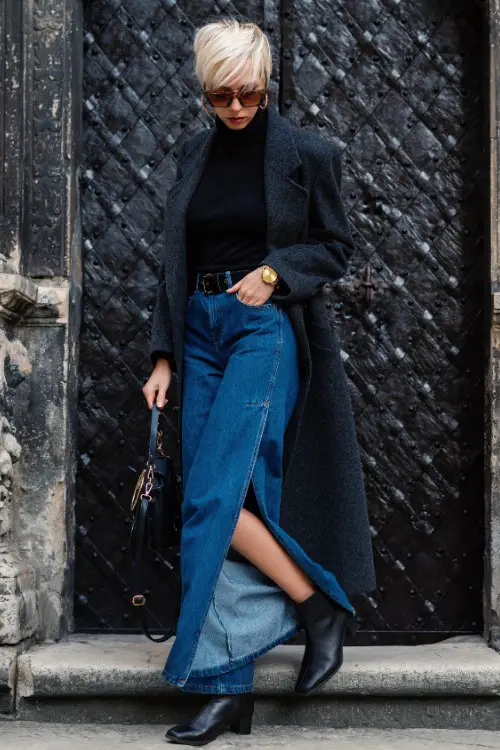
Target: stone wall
[
  {"x": 17, "y": 579},
  {"x": 40, "y": 287}
]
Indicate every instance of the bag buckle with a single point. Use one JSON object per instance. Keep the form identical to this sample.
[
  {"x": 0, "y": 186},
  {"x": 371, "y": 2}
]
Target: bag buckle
[
  {"x": 138, "y": 600},
  {"x": 146, "y": 478}
]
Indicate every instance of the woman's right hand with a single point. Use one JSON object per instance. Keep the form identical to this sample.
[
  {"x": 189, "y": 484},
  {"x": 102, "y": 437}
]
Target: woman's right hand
[{"x": 158, "y": 383}]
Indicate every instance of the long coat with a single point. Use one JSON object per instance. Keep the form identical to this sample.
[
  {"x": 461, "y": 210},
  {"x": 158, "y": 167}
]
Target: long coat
[{"x": 308, "y": 242}]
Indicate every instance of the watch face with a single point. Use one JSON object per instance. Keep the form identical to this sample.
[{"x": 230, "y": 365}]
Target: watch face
[{"x": 270, "y": 274}]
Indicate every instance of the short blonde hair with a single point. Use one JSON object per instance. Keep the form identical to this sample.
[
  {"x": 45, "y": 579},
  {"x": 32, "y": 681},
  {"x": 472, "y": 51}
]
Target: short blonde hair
[{"x": 224, "y": 48}]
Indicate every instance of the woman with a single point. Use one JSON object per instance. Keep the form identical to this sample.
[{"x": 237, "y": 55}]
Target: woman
[{"x": 255, "y": 228}]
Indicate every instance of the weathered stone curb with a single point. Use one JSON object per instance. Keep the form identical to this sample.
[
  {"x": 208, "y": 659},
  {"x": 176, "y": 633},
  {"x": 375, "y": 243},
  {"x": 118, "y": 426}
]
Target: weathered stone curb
[
  {"x": 120, "y": 666},
  {"x": 106, "y": 679}
]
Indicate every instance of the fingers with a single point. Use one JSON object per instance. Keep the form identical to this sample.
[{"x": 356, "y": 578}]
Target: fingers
[
  {"x": 253, "y": 300},
  {"x": 254, "y": 295},
  {"x": 161, "y": 398},
  {"x": 252, "y": 289},
  {"x": 154, "y": 391},
  {"x": 246, "y": 292},
  {"x": 236, "y": 286}
]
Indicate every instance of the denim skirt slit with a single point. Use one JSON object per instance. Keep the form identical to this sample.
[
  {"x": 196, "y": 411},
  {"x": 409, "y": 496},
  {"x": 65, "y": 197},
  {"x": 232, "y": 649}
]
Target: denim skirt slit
[{"x": 240, "y": 384}]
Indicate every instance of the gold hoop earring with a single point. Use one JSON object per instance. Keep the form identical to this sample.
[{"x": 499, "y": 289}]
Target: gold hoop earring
[{"x": 265, "y": 105}]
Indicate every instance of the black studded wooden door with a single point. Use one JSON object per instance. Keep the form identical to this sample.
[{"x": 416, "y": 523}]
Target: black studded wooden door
[{"x": 400, "y": 86}]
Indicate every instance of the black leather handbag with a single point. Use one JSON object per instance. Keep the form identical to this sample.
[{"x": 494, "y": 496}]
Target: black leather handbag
[{"x": 156, "y": 518}]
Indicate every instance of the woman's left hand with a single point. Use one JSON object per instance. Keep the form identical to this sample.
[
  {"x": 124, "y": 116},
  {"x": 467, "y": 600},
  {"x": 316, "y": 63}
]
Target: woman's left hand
[{"x": 252, "y": 289}]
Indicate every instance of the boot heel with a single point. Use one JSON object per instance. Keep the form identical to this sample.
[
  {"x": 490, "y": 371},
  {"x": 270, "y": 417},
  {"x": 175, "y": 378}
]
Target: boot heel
[{"x": 243, "y": 725}]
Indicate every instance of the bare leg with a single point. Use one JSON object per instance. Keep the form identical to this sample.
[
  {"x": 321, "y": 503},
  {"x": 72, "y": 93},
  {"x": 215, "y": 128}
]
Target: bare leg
[{"x": 253, "y": 540}]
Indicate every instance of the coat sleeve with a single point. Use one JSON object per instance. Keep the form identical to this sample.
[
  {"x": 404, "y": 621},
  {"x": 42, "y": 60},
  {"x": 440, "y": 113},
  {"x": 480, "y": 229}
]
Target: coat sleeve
[
  {"x": 305, "y": 267},
  {"x": 161, "y": 343}
]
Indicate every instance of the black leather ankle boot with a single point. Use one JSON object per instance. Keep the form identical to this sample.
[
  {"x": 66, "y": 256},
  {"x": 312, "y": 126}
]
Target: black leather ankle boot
[
  {"x": 325, "y": 624},
  {"x": 222, "y": 713}
]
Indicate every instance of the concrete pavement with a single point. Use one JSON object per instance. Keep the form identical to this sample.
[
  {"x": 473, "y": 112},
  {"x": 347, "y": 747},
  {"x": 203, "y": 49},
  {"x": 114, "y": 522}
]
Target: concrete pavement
[{"x": 23, "y": 735}]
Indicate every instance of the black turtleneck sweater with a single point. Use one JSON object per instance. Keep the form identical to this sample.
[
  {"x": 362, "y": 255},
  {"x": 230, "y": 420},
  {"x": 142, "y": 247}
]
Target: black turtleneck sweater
[{"x": 226, "y": 217}]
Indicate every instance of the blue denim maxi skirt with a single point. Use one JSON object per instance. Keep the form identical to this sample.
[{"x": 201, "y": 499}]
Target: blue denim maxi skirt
[{"x": 240, "y": 385}]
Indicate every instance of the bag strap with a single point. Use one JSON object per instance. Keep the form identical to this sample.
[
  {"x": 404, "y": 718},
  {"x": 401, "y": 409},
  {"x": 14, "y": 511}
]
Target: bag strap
[
  {"x": 153, "y": 432},
  {"x": 139, "y": 600}
]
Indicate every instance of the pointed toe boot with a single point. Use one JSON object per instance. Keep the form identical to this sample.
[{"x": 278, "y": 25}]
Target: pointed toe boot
[
  {"x": 221, "y": 714},
  {"x": 325, "y": 624}
]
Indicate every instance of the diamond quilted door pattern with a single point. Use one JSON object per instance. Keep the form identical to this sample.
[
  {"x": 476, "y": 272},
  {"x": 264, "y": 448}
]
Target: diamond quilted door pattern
[{"x": 399, "y": 85}]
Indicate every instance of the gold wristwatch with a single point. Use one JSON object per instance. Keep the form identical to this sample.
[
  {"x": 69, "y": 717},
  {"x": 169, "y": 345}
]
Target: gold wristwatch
[{"x": 269, "y": 275}]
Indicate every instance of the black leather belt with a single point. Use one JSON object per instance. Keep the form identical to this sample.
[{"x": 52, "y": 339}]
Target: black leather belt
[{"x": 214, "y": 283}]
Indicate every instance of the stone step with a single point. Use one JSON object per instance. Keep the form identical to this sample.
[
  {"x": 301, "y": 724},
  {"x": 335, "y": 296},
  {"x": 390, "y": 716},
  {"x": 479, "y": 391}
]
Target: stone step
[{"x": 452, "y": 684}]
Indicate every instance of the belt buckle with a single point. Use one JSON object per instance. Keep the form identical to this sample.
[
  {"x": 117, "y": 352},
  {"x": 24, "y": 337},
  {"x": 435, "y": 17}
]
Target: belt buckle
[{"x": 204, "y": 287}]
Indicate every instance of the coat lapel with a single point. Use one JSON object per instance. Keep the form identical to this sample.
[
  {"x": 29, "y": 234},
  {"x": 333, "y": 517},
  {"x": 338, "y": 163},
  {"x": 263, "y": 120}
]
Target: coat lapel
[{"x": 286, "y": 199}]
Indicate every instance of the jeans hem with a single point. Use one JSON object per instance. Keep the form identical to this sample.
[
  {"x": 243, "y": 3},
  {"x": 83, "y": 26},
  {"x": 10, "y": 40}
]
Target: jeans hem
[
  {"x": 234, "y": 663},
  {"x": 219, "y": 690}
]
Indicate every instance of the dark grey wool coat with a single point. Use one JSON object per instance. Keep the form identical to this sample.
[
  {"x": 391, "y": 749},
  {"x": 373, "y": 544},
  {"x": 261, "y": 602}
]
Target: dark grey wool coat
[{"x": 309, "y": 243}]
